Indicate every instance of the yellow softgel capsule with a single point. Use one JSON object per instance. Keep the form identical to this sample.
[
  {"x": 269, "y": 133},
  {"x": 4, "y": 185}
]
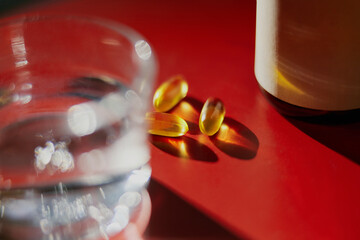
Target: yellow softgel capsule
[
  {"x": 165, "y": 124},
  {"x": 170, "y": 93},
  {"x": 211, "y": 116}
]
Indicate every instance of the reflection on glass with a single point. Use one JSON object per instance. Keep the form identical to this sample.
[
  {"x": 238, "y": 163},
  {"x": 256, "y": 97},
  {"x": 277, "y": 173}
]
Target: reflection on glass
[
  {"x": 138, "y": 178},
  {"x": 110, "y": 41},
  {"x": 18, "y": 49},
  {"x": 82, "y": 119},
  {"x": 92, "y": 161},
  {"x": 26, "y": 86},
  {"x": 54, "y": 157},
  {"x": 143, "y": 49},
  {"x": 21, "y": 98},
  {"x": 86, "y": 118},
  {"x": 93, "y": 212}
]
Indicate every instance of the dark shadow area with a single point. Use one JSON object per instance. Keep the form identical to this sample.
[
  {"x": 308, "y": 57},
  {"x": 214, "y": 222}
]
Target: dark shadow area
[
  {"x": 189, "y": 109},
  {"x": 233, "y": 138},
  {"x": 236, "y": 140},
  {"x": 312, "y": 115},
  {"x": 197, "y": 104},
  {"x": 8, "y": 7},
  {"x": 193, "y": 128},
  {"x": 338, "y": 130},
  {"x": 184, "y": 147},
  {"x": 174, "y": 218},
  {"x": 341, "y": 134}
]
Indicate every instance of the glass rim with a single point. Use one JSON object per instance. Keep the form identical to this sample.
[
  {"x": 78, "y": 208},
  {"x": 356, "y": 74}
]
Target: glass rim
[{"x": 147, "y": 66}]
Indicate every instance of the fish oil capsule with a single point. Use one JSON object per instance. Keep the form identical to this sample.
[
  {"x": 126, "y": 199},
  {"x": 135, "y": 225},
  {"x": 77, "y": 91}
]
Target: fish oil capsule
[
  {"x": 211, "y": 116},
  {"x": 165, "y": 124},
  {"x": 170, "y": 93}
]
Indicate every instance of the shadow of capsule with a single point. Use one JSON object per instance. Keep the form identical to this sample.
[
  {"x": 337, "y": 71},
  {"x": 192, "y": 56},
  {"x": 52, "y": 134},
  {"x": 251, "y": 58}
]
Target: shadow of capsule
[
  {"x": 236, "y": 140},
  {"x": 189, "y": 109},
  {"x": 184, "y": 147},
  {"x": 233, "y": 138}
]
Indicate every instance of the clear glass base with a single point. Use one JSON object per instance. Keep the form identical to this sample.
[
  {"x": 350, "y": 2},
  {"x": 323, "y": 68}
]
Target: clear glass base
[{"x": 72, "y": 212}]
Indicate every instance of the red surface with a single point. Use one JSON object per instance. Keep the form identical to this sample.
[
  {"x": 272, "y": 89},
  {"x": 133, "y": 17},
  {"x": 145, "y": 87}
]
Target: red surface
[{"x": 274, "y": 180}]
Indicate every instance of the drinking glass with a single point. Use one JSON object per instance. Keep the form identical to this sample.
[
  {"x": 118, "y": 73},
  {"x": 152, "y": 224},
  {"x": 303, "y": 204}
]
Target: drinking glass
[{"x": 73, "y": 151}]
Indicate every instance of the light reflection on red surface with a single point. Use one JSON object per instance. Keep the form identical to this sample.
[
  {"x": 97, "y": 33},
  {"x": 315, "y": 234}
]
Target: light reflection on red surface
[
  {"x": 236, "y": 140},
  {"x": 233, "y": 138},
  {"x": 184, "y": 147},
  {"x": 186, "y": 111},
  {"x": 189, "y": 109},
  {"x": 228, "y": 135},
  {"x": 180, "y": 146}
]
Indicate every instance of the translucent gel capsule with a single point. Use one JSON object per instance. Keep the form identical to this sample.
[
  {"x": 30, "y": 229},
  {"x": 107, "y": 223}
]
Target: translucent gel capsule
[
  {"x": 170, "y": 93},
  {"x": 165, "y": 124},
  {"x": 211, "y": 116}
]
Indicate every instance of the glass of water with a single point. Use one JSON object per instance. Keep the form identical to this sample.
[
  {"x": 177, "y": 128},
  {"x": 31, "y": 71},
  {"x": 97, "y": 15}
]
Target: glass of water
[{"x": 73, "y": 151}]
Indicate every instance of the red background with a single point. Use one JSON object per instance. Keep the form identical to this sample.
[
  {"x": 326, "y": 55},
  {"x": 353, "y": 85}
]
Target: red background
[{"x": 278, "y": 178}]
